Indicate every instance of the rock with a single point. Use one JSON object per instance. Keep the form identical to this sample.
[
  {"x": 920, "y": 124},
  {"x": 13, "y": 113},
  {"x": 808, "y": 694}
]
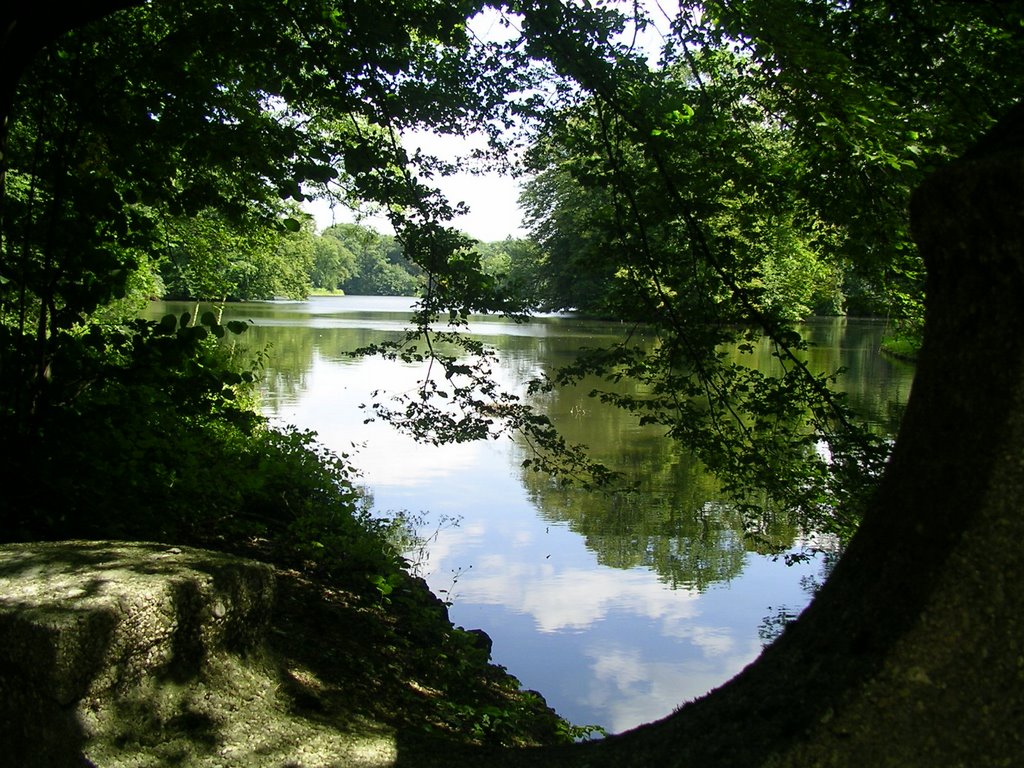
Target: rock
[
  {"x": 481, "y": 640},
  {"x": 141, "y": 655},
  {"x": 84, "y": 624}
]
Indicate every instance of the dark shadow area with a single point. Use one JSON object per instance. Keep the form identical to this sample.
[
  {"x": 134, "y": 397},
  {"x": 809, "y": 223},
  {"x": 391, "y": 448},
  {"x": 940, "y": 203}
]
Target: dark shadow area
[
  {"x": 188, "y": 652},
  {"x": 350, "y": 656},
  {"x": 36, "y": 730}
]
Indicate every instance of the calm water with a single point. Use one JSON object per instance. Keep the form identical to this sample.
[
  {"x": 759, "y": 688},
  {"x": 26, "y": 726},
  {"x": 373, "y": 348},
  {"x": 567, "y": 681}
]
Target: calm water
[{"x": 617, "y": 611}]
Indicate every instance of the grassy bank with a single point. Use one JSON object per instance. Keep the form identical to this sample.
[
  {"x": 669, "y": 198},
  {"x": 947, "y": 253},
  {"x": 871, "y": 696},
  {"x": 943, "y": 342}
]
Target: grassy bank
[
  {"x": 901, "y": 348},
  {"x": 356, "y": 656}
]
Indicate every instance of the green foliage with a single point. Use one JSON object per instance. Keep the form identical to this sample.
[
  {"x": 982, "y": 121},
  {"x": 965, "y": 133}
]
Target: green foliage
[
  {"x": 627, "y": 196},
  {"x": 202, "y": 142},
  {"x": 873, "y": 97},
  {"x": 689, "y": 229},
  {"x": 146, "y": 433},
  {"x": 575, "y": 733},
  {"x": 215, "y": 115},
  {"x": 333, "y": 264},
  {"x": 759, "y": 172},
  {"x": 206, "y": 257},
  {"x": 904, "y": 341},
  {"x": 379, "y": 266},
  {"x": 458, "y": 400},
  {"x": 576, "y": 267},
  {"x": 517, "y": 268}
]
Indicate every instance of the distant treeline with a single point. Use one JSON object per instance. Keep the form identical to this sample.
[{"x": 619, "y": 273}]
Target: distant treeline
[{"x": 207, "y": 259}]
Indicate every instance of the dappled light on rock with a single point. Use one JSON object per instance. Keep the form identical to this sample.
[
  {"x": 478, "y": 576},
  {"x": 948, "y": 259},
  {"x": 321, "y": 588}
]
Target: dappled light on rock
[{"x": 146, "y": 654}]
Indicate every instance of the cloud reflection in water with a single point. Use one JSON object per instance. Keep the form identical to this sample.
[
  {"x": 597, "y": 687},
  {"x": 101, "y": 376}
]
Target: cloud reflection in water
[{"x": 608, "y": 646}]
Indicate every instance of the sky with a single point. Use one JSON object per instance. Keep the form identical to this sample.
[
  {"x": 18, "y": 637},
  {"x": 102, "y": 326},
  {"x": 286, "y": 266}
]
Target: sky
[
  {"x": 494, "y": 213},
  {"x": 492, "y": 198}
]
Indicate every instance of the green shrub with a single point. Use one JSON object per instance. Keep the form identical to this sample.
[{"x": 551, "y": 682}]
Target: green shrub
[{"x": 148, "y": 432}]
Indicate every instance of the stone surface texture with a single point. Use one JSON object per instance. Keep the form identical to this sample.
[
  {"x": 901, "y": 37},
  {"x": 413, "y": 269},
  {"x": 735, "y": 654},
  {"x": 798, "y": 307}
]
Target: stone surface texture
[{"x": 132, "y": 654}]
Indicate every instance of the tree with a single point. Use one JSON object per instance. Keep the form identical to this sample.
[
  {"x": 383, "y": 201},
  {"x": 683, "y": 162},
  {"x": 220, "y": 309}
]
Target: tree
[
  {"x": 515, "y": 264},
  {"x": 28, "y": 30},
  {"x": 578, "y": 267},
  {"x": 379, "y": 266},
  {"x": 782, "y": 125},
  {"x": 286, "y": 270},
  {"x": 908, "y": 657},
  {"x": 683, "y": 219},
  {"x": 333, "y": 263},
  {"x": 875, "y": 95},
  {"x": 192, "y": 128}
]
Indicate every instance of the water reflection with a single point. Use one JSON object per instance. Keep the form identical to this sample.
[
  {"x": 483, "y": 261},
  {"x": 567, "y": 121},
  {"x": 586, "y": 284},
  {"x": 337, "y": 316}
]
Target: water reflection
[
  {"x": 604, "y": 644},
  {"x": 617, "y": 608}
]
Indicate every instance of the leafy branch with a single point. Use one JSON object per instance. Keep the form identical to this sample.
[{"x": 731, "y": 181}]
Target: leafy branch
[{"x": 459, "y": 400}]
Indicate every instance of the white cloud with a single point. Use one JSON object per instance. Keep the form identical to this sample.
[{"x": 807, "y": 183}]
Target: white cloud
[
  {"x": 572, "y": 599},
  {"x": 628, "y": 689}
]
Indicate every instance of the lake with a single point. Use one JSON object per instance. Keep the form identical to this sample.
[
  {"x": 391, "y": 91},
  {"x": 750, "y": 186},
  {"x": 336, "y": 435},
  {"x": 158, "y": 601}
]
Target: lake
[{"x": 617, "y": 610}]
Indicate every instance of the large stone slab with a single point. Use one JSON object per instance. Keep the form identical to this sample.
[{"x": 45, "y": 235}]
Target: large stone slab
[{"x": 92, "y": 621}]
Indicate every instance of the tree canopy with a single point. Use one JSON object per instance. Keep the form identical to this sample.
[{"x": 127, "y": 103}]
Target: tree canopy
[
  {"x": 757, "y": 172},
  {"x": 760, "y": 169}
]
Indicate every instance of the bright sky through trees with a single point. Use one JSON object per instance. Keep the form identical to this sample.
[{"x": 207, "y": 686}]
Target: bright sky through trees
[
  {"x": 494, "y": 212},
  {"x": 492, "y": 197}
]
